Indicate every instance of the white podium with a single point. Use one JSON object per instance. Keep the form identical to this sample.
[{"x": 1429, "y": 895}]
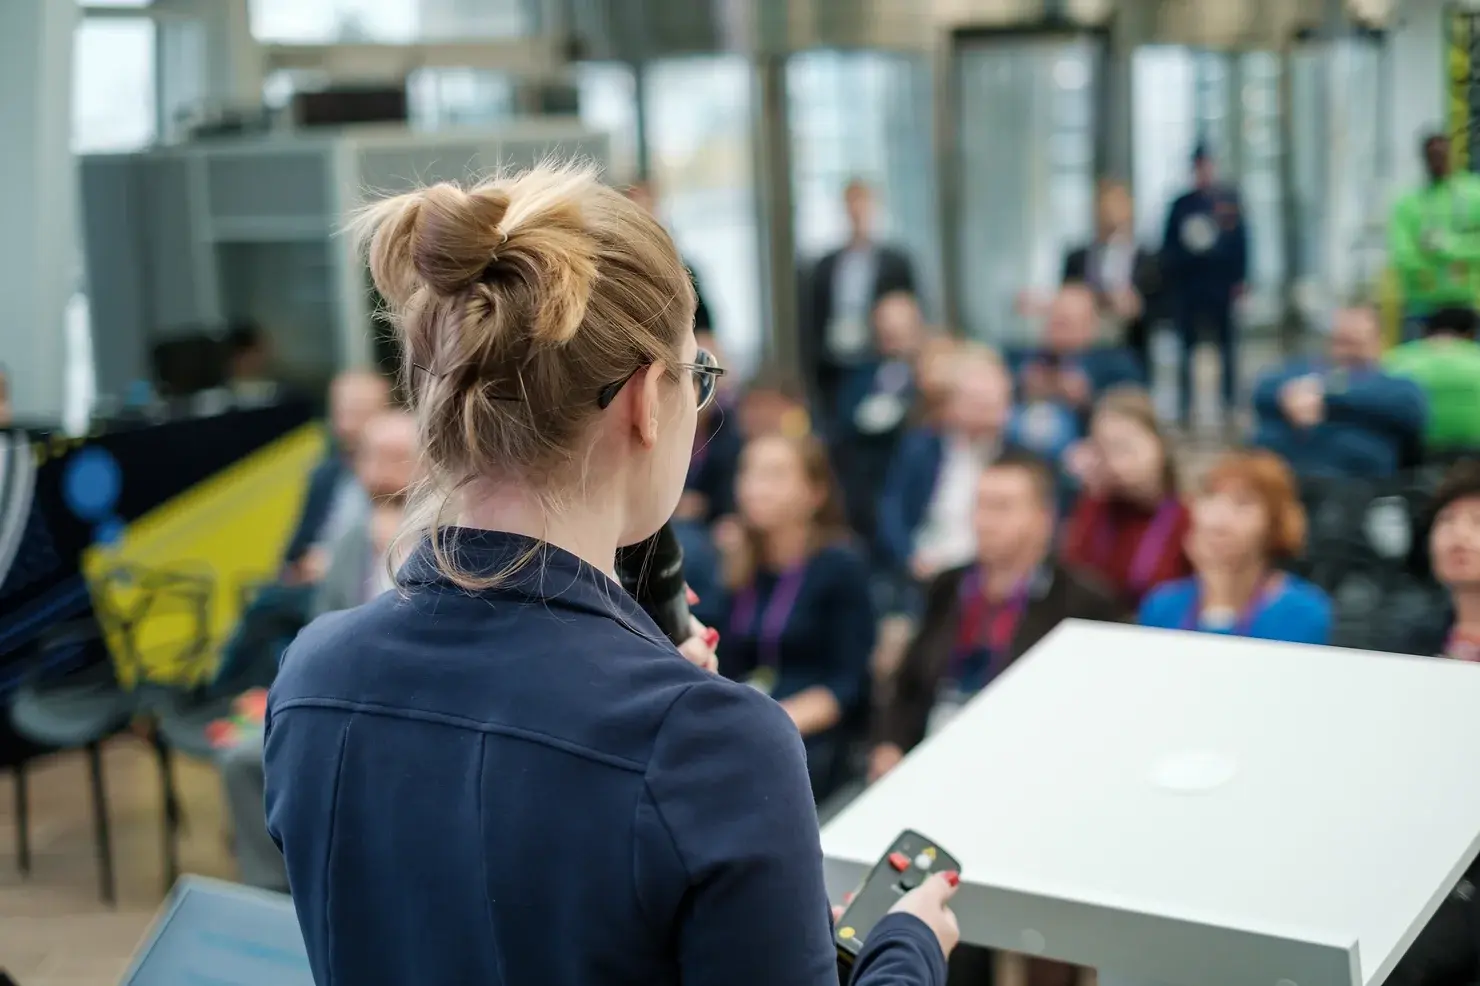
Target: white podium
[{"x": 1195, "y": 810}]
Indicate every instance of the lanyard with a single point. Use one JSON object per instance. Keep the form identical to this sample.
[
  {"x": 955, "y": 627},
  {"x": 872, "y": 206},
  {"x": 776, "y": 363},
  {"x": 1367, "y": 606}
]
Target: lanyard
[
  {"x": 892, "y": 377},
  {"x": 985, "y": 625},
  {"x": 1149, "y": 550},
  {"x": 1245, "y": 621},
  {"x": 774, "y": 617}
]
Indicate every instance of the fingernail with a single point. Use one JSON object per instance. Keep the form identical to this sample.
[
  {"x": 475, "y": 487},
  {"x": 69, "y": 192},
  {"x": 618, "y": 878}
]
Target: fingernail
[
  {"x": 691, "y": 596},
  {"x": 952, "y": 877},
  {"x": 711, "y": 638}
]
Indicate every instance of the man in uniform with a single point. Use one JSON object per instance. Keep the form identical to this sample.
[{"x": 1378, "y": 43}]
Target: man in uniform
[{"x": 1205, "y": 259}]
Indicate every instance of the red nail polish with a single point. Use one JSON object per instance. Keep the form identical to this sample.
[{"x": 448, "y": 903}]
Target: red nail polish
[
  {"x": 711, "y": 638},
  {"x": 953, "y": 878}
]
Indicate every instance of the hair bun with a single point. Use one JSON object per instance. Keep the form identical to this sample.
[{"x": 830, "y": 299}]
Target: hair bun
[
  {"x": 456, "y": 235},
  {"x": 551, "y": 254}
]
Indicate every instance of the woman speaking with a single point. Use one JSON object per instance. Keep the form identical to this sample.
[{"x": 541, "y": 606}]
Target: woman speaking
[{"x": 502, "y": 772}]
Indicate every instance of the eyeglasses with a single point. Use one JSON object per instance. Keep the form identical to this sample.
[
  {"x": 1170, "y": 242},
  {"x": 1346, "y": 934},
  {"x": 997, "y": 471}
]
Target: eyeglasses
[{"x": 706, "y": 373}]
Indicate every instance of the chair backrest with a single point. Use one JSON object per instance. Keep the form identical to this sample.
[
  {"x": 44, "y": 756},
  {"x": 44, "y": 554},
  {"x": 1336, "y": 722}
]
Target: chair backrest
[{"x": 127, "y": 597}]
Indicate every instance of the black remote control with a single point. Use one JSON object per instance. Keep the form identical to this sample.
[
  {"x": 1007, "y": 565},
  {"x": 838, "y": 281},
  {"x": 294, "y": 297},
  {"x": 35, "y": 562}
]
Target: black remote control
[{"x": 910, "y": 859}]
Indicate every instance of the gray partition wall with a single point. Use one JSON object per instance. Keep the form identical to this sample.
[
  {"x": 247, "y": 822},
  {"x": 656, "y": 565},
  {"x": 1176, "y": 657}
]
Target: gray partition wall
[{"x": 193, "y": 238}]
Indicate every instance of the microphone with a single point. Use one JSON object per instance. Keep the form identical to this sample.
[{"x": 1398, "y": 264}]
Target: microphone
[{"x": 652, "y": 572}]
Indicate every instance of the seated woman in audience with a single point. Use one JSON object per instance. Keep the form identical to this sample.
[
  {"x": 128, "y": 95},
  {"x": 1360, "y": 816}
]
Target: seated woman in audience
[
  {"x": 926, "y": 506},
  {"x": 801, "y": 621},
  {"x": 980, "y": 618},
  {"x": 1246, "y": 521},
  {"x": 1129, "y": 525},
  {"x": 1453, "y": 629}
]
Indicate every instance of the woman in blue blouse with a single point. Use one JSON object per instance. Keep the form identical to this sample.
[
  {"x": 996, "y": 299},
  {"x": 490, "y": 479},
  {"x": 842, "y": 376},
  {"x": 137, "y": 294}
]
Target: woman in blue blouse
[
  {"x": 801, "y": 622},
  {"x": 1246, "y": 521}
]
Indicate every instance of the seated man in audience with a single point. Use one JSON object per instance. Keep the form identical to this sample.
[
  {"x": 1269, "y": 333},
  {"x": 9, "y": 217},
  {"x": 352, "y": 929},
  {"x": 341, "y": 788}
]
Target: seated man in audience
[
  {"x": 1445, "y": 364},
  {"x": 874, "y": 408},
  {"x": 1341, "y": 416},
  {"x": 359, "y": 569},
  {"x": 335, "y": 499},
  {"x": 982, "y": 616},
  {"x": 1057, "y": 385},
  {"x": 925, "y": 509}
]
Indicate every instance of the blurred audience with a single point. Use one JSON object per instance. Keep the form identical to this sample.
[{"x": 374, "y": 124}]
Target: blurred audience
[
  {"x": 1445, "y": 364},
  {"x": 874, "y": 409},
  {"x": 7, "y": 417},
  {"x": 801, "y": 622},
  {"x": 926, "y": 507},
  {"x": 1124, "y": 277},
  {"x": 1246, "y": 521},
  {"x": 1057, "y": 385},
  {"x": 359, "y": 569},
  {"x": 335, "y": 501},
  {"x": 935, "y": 368},
  {"x": 643, "y": 194},
  {"x": 1205, "y": 264},
  {"x": 1129, "y": 525},
  {"x": 1341, "y": 415},
  {"x": 250, "y": 362},
  {"x": 839, "y": 295},
  {"x": 1434, "y": 238}
]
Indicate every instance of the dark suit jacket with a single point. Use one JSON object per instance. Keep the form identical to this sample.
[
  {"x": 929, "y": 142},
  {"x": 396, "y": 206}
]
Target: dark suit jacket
[
  {"x": 892, "y": 272},
  {"x": 1062, "y": 595},
  {"x": 317, "y": 505},
  {"x": 1145, "y": 278}
]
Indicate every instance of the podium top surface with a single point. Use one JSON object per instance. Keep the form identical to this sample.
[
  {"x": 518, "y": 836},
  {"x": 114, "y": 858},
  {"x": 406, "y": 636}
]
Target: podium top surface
[{"x": 1143, "y": 800}]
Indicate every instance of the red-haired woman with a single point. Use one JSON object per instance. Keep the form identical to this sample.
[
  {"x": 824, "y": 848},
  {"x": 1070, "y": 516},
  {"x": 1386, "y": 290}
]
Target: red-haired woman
[{"x": 1246, "y": 520}]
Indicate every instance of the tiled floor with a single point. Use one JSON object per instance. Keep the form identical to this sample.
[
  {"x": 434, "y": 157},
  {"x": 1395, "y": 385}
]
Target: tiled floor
[{"x": 54, "y": 931}]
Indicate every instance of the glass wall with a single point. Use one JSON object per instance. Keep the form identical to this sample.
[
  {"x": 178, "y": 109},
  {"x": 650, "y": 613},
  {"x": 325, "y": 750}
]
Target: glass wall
[
  {"x": 608, "y": 96},
  {"x": 458, "y": 97},
  {"x": 866, "y": 115},
  {"x": 1026, "y": 146},
  {"x": 702, "y": 161},
  {"x": 113, "y": 96},
  {"x": 319, "y": 21}
]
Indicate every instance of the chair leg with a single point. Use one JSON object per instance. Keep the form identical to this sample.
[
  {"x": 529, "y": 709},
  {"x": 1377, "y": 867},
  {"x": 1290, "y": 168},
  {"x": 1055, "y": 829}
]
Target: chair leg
[
  {"x": 174, "y": 817},
  {"x": 22, "y": 820},
  {"x": 100, "y": 824}
]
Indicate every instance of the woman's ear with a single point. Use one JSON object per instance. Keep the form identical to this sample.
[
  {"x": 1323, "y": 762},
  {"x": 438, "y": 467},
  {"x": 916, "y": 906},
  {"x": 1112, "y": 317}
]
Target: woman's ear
[{"x": 648, "y": 402}]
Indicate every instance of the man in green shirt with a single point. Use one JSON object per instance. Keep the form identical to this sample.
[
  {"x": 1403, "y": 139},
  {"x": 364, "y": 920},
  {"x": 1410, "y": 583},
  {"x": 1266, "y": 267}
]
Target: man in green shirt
[
  {"x": 1434, "y": 239},
  {"x": 1445, "y": 364}
]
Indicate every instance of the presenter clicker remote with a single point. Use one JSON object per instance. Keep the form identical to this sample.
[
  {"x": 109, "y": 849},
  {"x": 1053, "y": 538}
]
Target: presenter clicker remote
[{"x": 910, "y": 859}]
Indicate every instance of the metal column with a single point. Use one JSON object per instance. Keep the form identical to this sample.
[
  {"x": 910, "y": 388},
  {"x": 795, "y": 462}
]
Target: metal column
[{"x": 775, "y": 212}]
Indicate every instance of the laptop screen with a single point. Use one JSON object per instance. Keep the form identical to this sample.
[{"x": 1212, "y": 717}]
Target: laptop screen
[{"x": 220, "y": 934}]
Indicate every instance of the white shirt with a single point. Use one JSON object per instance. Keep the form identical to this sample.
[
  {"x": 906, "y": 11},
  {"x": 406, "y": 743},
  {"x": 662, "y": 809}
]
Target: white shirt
[
  {"x": 349, "y": 507},
  {"x": 1115, "y": 263},
  {"x": 947, "y": 538},
  {"x": 848, "y": 332}
]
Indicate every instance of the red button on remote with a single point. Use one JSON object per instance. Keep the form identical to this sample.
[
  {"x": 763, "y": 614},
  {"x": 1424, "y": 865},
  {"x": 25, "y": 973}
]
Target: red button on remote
[{"x": 899, "y": 861}]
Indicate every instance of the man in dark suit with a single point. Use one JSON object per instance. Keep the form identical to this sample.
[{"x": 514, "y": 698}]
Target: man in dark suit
[
  {"x": 1124, "y": 277},
  {"x": 1205, "y": 261},
  {"x": 839, "y": 297}
]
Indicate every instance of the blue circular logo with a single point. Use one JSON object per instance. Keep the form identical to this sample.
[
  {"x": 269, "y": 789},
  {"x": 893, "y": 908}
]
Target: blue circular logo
[{"x": 91, "y": 484}]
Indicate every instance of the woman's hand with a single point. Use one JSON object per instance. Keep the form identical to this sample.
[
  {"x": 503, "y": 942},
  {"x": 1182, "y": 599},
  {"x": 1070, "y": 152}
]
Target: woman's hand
[
  {"x": 698, "y": 650},
  {"x": 929, "y": 902}
]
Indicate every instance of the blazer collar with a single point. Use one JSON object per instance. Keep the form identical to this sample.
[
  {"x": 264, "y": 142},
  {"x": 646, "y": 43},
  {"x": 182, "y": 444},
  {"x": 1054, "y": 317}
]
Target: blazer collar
[{"x": 529, "y": 570}]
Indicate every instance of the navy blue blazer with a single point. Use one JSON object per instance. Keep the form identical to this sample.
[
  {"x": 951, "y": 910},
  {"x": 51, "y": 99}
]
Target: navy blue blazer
[
  {"x": 317, "y": 505},
  {"x": 528, "y": 784},
  {"x": 1372, "y": 419},
  {"x": 1212, "y": 274}
]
